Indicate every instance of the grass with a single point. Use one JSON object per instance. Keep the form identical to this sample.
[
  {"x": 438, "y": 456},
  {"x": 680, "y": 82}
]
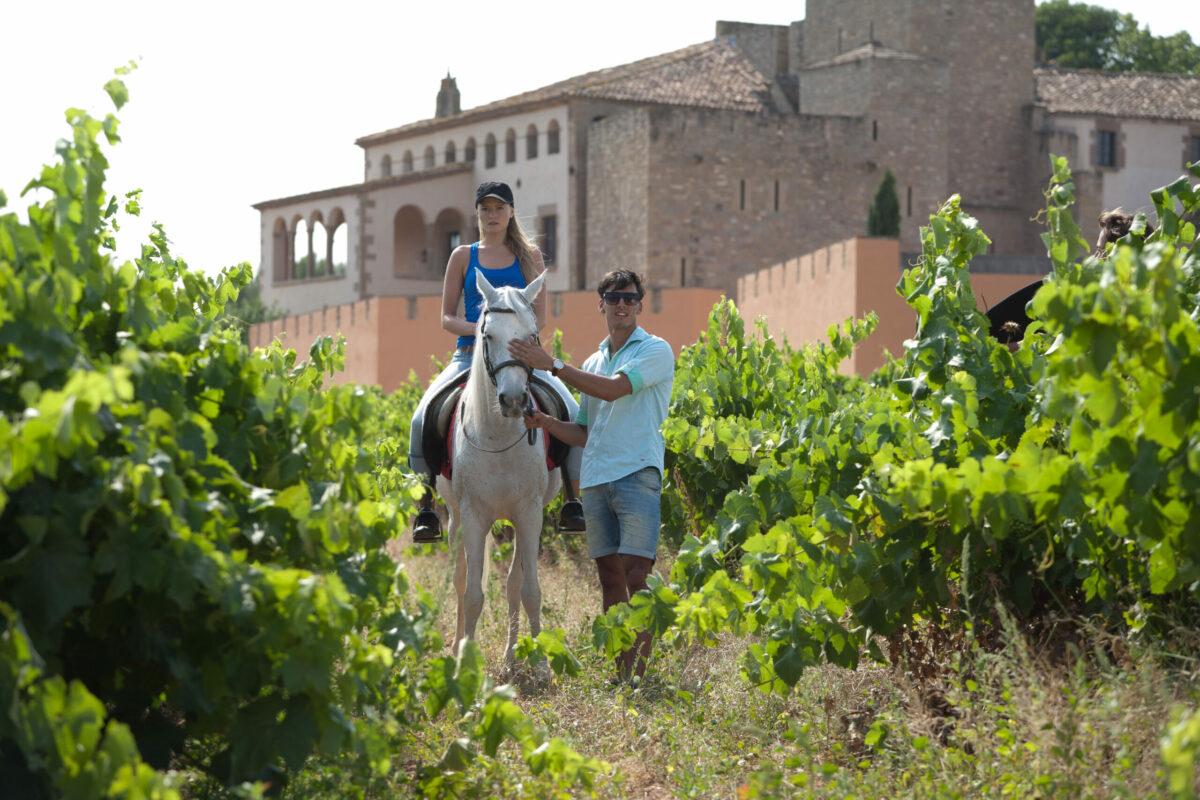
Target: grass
[{"x": 1021, "y": 719}]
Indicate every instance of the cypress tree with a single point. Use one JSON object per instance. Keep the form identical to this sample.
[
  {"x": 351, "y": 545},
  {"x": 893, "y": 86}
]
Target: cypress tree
[{"x": 883, "y": 219}]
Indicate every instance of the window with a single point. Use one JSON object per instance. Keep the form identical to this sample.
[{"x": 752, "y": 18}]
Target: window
[
  {"x": 510, "y": 146},
  {"x": 552, "y": 137},
  {"x": 453, "y": 240},
  {"x": 406, "y": 162},
  {"x": 386, "y": 166},
  {"x": 1193, "y": 149},
  {"x": 908, "y": 204},
  {"x": 489, "y": 151},
  {"x": 742, "y": 195},
  {"x": 776, "y": 195},
  {"x": 531, "y": 137},
  {"x": 451, "y": 153},
  {"x": 429, "y": 157},
  {"x": 874, "y": 130},
  {"x": 469, "y": 150},
  {"x": 1106, "y": 148},
  {"x": 549, "y": 238}
]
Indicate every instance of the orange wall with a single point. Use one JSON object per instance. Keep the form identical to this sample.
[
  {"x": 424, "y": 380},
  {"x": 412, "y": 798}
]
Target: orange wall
[
  {"x": 386, "y": 337},
  {"x": 802, "y": 297}
]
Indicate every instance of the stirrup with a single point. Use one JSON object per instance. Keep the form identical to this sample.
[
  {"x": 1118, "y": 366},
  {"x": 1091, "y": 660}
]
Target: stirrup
[
  {"x": 570, "y": 518},
  {"x": 427, "y": 528}
]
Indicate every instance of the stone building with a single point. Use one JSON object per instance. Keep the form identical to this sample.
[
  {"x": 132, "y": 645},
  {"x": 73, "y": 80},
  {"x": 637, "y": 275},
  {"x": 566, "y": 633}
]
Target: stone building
[{"x": 720, "y": 159}]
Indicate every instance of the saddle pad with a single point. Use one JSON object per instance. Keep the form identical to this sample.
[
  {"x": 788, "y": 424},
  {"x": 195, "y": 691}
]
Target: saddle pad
[{"x": 447, "y": 468}]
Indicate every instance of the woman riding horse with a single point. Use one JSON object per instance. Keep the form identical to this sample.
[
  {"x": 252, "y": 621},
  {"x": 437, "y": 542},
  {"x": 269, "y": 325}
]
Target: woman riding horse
[{"x": 506, "y": 257}]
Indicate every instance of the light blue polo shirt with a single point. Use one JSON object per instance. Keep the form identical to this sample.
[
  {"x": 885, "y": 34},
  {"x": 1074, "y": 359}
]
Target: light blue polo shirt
[{"x": 625, "y": 435}]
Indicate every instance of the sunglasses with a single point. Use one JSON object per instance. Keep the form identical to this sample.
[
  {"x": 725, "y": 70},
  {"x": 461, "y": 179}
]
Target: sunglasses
[{"x": 612, "y": 298}]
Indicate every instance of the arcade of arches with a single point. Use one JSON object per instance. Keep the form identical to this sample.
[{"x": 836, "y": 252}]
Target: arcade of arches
[
  {"x": 420, "y": 249},
  {"x": 310, "y": 247}
]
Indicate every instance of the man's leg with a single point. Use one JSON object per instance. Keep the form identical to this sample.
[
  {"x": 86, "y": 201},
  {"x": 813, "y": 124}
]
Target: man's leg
[
  {"x": 613, "y": 585},
  {"x": 636, "y": 569}
]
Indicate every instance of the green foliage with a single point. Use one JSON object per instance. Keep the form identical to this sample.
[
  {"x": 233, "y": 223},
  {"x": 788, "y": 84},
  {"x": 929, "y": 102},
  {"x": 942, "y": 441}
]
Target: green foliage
[
  {"x": 248, "y": 308},
  {"x": 192, "y": 534},
  {"x": 883, "y": 218},
  {"x": 822, "y": 510},
  {"x": 1082, "y": 36}
]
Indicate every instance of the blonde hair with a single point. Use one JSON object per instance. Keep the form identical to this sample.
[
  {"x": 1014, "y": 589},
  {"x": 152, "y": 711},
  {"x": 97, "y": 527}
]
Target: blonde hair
[{"x": 517, "y": 240}]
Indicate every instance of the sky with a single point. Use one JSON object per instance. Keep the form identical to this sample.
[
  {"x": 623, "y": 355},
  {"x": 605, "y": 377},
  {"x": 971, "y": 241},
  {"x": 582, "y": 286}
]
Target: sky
[{"x": 233, "y": 103}]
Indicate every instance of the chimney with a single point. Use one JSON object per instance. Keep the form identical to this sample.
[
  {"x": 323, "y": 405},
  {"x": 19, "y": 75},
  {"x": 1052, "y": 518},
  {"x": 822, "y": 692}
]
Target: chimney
[{"x": 448, "y": 100}]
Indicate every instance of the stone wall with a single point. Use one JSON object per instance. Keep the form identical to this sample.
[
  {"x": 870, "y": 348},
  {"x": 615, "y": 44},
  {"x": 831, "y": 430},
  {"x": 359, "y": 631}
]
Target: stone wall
[
  {"x": 618, "y": 193},
  {"x": 714, "y": 180}
]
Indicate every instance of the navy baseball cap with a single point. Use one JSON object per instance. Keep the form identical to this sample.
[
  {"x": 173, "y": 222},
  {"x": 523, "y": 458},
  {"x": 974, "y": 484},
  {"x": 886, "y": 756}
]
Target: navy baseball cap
[{"x": 495, "y": 189}]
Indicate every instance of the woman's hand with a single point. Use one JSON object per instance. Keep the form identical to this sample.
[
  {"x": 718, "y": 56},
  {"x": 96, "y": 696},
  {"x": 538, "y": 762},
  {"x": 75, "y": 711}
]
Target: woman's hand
[{"x": 530, "y": 353}]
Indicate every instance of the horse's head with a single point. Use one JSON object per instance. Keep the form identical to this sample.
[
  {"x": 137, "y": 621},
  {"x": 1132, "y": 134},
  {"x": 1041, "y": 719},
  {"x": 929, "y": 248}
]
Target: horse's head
[{"x": 507, "y": 313}]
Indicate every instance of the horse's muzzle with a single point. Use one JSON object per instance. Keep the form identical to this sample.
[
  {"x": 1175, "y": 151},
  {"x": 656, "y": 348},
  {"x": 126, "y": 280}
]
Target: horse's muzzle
[{"x": 512, "y": 405}]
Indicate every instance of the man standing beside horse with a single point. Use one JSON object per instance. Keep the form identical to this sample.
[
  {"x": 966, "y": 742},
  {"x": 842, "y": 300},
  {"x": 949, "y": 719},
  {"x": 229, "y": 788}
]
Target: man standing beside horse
[{"x": 626, "y": 387}]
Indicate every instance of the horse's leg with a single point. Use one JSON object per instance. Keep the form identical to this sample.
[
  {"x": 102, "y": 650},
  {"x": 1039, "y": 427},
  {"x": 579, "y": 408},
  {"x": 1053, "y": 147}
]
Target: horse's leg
[
  {"x": 454, "y": 533},
  {"x": 474, "y": 529},
  {"x": 514, "y": 588},
  {"x": 460, "y": 588},
  {"x": 529, "y": 531}
]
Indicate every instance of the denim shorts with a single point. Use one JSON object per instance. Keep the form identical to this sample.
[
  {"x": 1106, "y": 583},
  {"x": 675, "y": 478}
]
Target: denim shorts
[{"x": 623, "y": 515}]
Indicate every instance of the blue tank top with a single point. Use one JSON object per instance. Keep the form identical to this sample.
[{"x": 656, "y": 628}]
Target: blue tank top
[{"x": 472, "y": 299}]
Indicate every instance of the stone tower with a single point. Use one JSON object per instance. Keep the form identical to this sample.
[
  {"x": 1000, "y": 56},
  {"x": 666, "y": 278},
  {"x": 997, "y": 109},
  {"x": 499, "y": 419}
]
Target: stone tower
[
  {"x": 946, "y": 88},
  {"x": 449, "y": 102}
]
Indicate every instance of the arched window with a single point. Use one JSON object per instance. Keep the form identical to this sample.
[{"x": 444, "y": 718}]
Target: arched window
[
  {"x": 320, "y": 246},
  {"x": 447, "y": 234},
  {"x": 339, "y": 243},
  {"x": 510, "y": 146},
  {"x": 408, "y": 243},
  {"x": 489, "y": 151},
  {"x": 301, "y": 249},
  {"x": 406, "y": 162},
  {"x": 469, "y": 150},
  {"x": 531, "y": 134},
  {"x": 385, "y": 166},
  {"x": 429, "y": 157},
  {"x": 552, "y": 137},
  {"x": 451, "y": 153}
]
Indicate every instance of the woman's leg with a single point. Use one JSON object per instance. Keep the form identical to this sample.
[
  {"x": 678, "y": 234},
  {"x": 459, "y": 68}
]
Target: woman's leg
[
  {"x": 427, "y": 527},
  {"x": 571, "y": 517}
]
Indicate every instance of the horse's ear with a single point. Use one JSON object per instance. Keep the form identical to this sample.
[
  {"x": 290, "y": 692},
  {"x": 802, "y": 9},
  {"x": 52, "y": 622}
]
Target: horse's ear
[
  {"x": 485, "y": 288},
  {"x": 534, "y": 288}
]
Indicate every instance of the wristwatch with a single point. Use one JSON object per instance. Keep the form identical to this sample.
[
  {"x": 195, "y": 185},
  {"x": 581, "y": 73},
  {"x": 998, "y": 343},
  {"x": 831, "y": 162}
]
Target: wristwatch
[{"x": 555, "y": 366}]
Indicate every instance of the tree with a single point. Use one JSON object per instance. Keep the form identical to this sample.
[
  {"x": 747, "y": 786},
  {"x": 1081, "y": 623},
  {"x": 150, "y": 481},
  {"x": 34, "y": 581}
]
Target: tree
[
  {"x": 1083, "y": 36},
  {"x": 883, "y": 218}
]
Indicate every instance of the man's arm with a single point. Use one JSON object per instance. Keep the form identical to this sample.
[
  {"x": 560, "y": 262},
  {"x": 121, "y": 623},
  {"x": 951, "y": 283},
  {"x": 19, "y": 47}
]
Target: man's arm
[
  {"x": 571, "y": 433},
  {"x": 598, "y": 386}
]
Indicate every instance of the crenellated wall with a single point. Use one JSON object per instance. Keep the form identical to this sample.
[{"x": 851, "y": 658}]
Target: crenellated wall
[
  {"x": 387, "y": 337},
  {"x": 801, "y": 297}
]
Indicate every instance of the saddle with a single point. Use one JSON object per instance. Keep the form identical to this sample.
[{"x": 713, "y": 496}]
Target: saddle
[{"x": 440, "y": 413}]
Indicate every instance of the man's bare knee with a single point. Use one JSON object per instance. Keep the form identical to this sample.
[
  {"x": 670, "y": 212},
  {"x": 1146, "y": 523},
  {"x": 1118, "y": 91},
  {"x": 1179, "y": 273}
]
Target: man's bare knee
[{"x": 637, "y": 570}]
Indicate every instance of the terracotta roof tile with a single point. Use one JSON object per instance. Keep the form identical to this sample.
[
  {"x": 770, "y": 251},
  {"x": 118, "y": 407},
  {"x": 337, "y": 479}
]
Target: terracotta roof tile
[
  {"x": 712, "y": 74},
  {"x": 1121, "y": 94}
]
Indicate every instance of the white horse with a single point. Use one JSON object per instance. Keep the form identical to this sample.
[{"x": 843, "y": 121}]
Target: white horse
[{"x": 497, "y": 473}]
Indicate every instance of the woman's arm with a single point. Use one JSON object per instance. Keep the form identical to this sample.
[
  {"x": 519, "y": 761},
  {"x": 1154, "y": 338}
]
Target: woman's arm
[{"x": 452, "y": 289}]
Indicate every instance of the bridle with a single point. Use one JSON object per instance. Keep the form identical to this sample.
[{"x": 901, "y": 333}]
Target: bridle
[
  {"x": 487, "y": 356},
  {"x": 491, "y": 372}
]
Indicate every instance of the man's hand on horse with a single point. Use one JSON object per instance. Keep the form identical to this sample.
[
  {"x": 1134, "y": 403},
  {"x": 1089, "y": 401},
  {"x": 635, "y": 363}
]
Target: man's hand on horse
[
  {"x": 531, "y": 353},
  {"x": 537, "y": 419}
]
